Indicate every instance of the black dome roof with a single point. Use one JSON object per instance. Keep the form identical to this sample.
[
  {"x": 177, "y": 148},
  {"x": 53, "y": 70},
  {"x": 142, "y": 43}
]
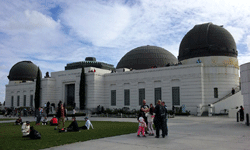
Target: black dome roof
[
  {"x": 145, "y": 57},
  {"x": 24, "y": 71},
  {"x": 207, "y": 40}
]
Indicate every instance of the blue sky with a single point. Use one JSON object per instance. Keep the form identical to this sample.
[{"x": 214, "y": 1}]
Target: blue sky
[{"x": 54, "y": 33}]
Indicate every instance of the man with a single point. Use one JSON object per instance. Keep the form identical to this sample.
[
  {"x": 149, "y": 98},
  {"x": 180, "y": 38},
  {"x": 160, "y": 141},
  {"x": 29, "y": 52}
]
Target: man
[
  {"x": 159, "y": 119},
  {"x": 61, "y": 113},
  {"x": 73, "y": 126},
  {"x": 144, "y": 109},
  {"x": 166, "y": 118},
  {"x": 87, "y": 124},
  {"x": 26, "y": 129}
]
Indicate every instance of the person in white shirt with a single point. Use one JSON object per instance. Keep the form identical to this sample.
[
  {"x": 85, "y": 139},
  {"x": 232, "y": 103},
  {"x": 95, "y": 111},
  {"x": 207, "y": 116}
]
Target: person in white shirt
[
  {"x": 87, "y": 124},
  {"x": 26, "y": 129},
  {"x": 150, "y": 118}
]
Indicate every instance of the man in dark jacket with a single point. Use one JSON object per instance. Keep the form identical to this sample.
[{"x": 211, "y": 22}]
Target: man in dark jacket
[
  {"x": 73, "y": 126},
  {"x": 160, "y": 114}
]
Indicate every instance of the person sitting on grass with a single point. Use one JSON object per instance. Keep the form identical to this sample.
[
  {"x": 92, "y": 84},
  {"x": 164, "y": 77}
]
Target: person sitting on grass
[
  {"x": 26, "y": 129},
  {"x": 45, "y": 121},
  {"x": 19, "y": 121},
  {"x": 34, "y": 134},
  {"x": 87, "y": 124},
  {"x": 73, "y": 126},
  {"x": 53, "y": 121}
]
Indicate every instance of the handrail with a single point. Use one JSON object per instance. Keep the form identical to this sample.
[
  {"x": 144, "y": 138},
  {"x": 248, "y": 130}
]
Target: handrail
[{"x": 237, "y": 89}]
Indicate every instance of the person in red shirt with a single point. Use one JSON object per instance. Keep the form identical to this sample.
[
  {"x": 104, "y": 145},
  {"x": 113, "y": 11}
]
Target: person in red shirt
[{"x": 53, "y": 121}]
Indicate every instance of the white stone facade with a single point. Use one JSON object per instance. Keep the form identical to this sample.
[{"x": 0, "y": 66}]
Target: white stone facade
[
  {"x": 196, "y": 83},
  {"x": 245, "y": 86}
]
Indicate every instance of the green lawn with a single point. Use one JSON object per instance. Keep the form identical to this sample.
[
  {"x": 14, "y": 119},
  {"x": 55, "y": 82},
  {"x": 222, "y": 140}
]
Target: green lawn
[{"x": 11, "y": 135}]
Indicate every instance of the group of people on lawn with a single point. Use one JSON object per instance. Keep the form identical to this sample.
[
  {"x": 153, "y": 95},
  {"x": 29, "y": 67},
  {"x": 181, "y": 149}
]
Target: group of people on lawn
[
  {"x": 33, "y": 134},
  {"x": 59, "y": 123},
  {"x": 153, "y": 115}
]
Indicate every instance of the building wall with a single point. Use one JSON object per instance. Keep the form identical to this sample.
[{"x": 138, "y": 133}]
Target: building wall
[
  {"x": 220, "y": 72},
  {"x": 20, "y": 89},
  {"x": 187, "y": 77},
  {"x": 245, "y": 86}
]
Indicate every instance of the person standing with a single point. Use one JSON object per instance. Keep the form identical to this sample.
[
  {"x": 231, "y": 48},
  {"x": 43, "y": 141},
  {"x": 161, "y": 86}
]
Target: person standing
[
  {"x": 61, "y": 117},
  {"x": 159, "y": 119},
  {"x": 150, "y": 117},
  {"x": 241, "y": 113},
  {"x": 144, "y": 109},
  {"x": 165, "y": 120}
]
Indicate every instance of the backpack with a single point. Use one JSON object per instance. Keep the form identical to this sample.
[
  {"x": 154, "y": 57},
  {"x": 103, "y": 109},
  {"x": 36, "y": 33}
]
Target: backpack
[{"x": 35, "y": 135}]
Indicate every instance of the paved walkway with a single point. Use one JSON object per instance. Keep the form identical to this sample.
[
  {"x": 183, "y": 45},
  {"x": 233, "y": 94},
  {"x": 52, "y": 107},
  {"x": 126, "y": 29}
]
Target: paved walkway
[{"x": 197, "y": 133}]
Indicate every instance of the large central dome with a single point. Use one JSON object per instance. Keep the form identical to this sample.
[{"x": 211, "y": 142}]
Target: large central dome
[
  {"x": 145, "y": 57},
  {"x": 207, "y": 40}
]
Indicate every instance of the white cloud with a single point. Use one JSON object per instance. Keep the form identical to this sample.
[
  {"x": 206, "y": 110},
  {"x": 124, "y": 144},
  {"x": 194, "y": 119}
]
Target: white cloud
[{"x": 95, "y": 22}]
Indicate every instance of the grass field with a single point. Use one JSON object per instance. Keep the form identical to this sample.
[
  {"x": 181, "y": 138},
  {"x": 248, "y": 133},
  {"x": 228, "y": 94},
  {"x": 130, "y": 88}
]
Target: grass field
[{"x": 11, "y": 135}]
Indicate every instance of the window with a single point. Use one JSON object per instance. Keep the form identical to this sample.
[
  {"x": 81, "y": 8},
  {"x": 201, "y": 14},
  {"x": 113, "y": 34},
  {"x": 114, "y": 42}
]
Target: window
[
  {"x": 113, "y": 97},
  {"x": 31, "y": 100},
  {"x": 24, "y": 100},
  {"x": 12, "y": 101},
  {"x": 18, "y": 100},
  {"x": 215, "y": 92},
  {"x": 176, "y": 95},
  {"x": 157, "y": 94},
  {"x": 126, "y": 97},
  {"x": 141, "y": 95}
]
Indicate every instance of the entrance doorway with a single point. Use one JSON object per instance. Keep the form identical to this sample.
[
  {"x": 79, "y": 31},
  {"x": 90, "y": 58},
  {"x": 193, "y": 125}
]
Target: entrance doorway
[{"x": 70, "y": 94}]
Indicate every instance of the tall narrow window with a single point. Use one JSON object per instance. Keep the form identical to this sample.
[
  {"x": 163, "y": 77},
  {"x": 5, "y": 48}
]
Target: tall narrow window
[
  {"x": 157, "y": 94},
  {"x": 12, "y": 101},
  {"x": 113, "y": 97},
  {"x": 18, "y": 100},
  {"x": 126, "y": 97},
  {"x": 31, "y": 100},
  {"x": 24, "y": 100},
  {"x": 215, "y": 92},
  {"x": 141, "y": 95},
  {"x": 176, "y": 95}
]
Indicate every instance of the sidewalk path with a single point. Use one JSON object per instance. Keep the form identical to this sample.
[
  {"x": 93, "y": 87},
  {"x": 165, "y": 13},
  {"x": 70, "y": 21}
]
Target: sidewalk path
[{"x": 185, "y": 133}]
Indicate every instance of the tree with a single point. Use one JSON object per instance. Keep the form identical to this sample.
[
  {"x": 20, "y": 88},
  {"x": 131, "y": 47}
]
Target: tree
[
  {"x": 38, "y": 87},
  {"x": 82, "y": 90}
]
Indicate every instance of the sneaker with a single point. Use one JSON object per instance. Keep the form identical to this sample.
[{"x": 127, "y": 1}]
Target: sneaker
[
  {"x": 144, "y": 136},
  {"x": 138, "y": 136},
  {"x": 156, "y": 136}
]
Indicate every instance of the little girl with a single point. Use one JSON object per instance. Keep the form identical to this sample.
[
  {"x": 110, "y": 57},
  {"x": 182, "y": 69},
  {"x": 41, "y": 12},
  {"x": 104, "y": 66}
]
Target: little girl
[{"x": 142, "y": 126}]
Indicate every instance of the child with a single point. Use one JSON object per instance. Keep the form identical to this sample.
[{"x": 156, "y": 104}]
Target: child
[
  {"x": 150, "y": 118},
  {"x": 142, "y": 126}
]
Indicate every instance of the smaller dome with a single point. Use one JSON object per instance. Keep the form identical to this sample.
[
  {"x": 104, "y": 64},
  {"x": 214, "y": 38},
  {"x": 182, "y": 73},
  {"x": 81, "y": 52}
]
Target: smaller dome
[
  {"x": 145, "y": 57},
  {"x": 23, "y": 71}
]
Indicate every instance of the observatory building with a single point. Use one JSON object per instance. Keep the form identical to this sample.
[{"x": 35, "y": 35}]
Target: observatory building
[{"x": 202, "y": 75}]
